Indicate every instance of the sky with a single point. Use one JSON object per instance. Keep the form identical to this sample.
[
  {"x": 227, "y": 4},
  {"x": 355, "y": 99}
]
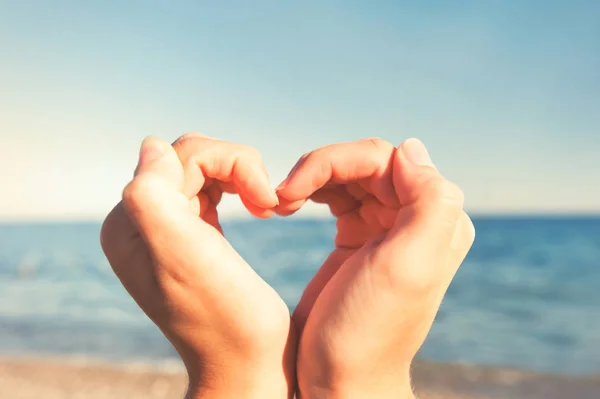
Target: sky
[{"x": 505, "y": 94}]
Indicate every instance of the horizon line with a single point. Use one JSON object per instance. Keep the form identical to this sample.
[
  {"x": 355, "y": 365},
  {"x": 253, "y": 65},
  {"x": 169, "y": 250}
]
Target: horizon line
[{"x": 317, "y": 216}]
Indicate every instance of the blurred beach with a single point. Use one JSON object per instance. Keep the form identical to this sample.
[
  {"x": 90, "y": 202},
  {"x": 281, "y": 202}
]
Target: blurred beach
[
  {"x": 61, "y": 379},
  {"x": 505, "y": 95},
  {"x": 520, "y": 320}
]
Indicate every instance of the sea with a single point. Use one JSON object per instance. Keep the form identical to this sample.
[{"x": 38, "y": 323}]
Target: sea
[{"x": 527, "y": 296}]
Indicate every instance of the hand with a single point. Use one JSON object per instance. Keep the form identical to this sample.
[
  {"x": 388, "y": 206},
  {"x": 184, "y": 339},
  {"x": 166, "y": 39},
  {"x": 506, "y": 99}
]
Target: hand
[
  {"x": 164, "y": 242},
  {"x": 401, "y": 236}
]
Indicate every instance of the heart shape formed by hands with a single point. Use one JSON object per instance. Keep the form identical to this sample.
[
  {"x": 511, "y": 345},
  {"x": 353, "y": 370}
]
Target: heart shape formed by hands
[
  {"x": 353, "y": 179},
  {"x": 401, "y": 235}
]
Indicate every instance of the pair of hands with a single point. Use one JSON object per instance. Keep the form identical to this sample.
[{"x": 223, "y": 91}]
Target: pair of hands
[{"x": 401, "y": 236}]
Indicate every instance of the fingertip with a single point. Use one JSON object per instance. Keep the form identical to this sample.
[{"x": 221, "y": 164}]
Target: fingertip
[
  {"x": 264, "y": 214},
  {"x": 271, "y": 196},
  {"x": 257, "y": 211},
  {"x": 414, "y": 151},
  {"x": 261, "y": 213},
  {"x": 267, "y": 199},
  {"x": 151, "y": 150},
  {"x": 296, "y": 190},
  {"x": 412, "y": 167},
  {"x": 252, "y": 183},
  {"x": 158, "y": 160},
  {"x": 282, "y": 185},
  {"x": 285, "y": 190},
  {"x": 287, "y": 208},
  {"x": 274, "y": 197}
]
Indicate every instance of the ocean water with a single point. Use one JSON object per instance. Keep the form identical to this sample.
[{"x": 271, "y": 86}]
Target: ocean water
[{"x": 527, "y": 296}]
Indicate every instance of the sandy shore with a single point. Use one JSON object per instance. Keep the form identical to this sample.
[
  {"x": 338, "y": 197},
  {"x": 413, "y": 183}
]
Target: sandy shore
[{"x": 27, "y": 378}]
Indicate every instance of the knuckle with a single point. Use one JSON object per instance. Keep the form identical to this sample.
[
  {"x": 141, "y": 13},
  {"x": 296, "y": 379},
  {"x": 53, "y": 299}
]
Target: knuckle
[
  {"x": 378, "y": 143},
  {"x": 382, "y": 151},
  {"x": 311, "y": 157},
  {"x": 443, "y": 194},
  {"x": 323, "y": 152},
  {"x": 187, "y": 142},
  {"x": 135, "y": 192},
  {"x": 191, "y": 136},
  {"x": 251, "y": 152},
  {"x": 242, "y": 154}
]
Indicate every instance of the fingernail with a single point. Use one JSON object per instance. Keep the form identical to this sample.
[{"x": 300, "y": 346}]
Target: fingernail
[
  {"x": 416, "y": 153},
  {"x": 151, "y": 150},
  {"x": 264, "y": 182},
  {"x": 273, "y": 194},
  {"x": 282, "y": 185},
  {"x": 275, "y": 198},
  {"x": 285, "y": 182}
]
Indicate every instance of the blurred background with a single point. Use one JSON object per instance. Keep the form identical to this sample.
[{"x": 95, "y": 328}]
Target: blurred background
[{"x": 505, "y": 94}]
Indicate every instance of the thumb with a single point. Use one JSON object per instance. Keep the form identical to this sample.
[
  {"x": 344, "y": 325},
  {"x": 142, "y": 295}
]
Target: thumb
[
  {"x": 158, "y": 160},
  {"x": 154, "y": 199},
  {"x": 412, "y": 167},
  {"x": 427, "y": 220},
  {"x": 423, "y": 191}
]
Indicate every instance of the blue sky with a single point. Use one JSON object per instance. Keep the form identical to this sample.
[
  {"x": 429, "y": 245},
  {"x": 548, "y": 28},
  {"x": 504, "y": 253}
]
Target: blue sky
[{"x": 505, "y": 94}]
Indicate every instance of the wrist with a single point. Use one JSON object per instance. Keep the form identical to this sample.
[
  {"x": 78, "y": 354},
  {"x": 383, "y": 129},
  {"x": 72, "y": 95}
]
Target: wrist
[
  {"x": 382, "y": 386},
  {"x": 352, "y": 392},
  {"x": 263, "y": 374},
  {"x": 267, "y": 389},
  {"x": 244, "y": 383}
]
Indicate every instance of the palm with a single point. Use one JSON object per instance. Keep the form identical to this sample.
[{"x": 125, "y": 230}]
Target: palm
[
  {"x": 262, "y": 300},
  {"x": 139, "y": 277},
  {"x": 369, "y": 307},
  {"x": 205, "y": 205},
  {"x": 355, "y": 181},
  {"x": 360, "y": 218},
  {"x": 180, "y": 268}
]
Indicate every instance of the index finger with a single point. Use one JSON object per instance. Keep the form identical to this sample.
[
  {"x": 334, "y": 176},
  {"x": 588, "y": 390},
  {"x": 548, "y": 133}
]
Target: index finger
[
  {"x": 203, "y": 157},
  {"x": 366, "y": 161}
]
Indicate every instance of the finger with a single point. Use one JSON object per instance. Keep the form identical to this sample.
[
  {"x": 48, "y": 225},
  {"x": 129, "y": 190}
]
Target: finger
[
  {"x": 215, "y": 193},
  {"x": 412, "y": 168},
  {"x": 420, "y": 187},
  {"x": 376, "y": 216},
  {"x": 240, "y": 165},
  {"x": 370, "y": 220},
  {"x": 420, "y": 240},
  {"x": 368, "y": 161},
  {"x": 211, "y": 217},
  {"x": 219, "y": 188},
  {"x": 256, "y": 210},
  {"x": 337, "y": 198},
  {"x": 156, "y": 159},
  {"x": 158, "y": 171},
  {"x": 352, "y": 232},
  {"x": 356, "y": 191},
  {"x": 154, "y": 199},
  {"x": 287, "y": 208}
]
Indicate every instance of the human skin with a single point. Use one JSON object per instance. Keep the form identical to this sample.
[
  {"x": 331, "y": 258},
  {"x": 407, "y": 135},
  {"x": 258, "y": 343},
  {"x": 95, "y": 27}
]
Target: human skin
[
  {"x": 401, "y": 236},
  {"x": 164, "y": 242}
]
